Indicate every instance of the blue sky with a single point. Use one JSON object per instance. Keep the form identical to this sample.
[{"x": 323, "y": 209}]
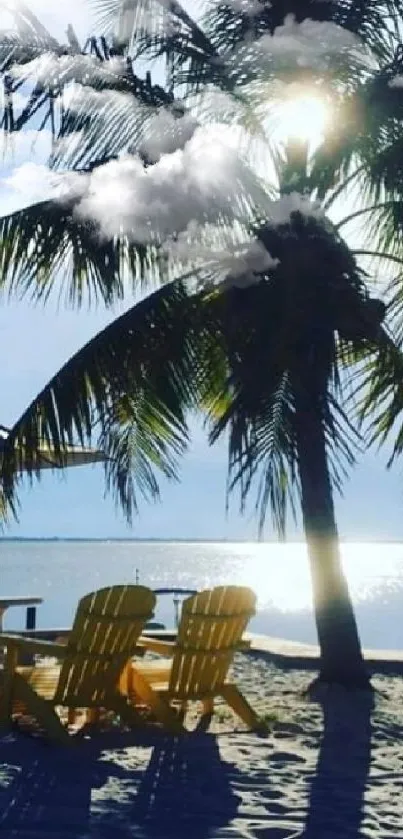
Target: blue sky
[{"x": 35, "y": 341}]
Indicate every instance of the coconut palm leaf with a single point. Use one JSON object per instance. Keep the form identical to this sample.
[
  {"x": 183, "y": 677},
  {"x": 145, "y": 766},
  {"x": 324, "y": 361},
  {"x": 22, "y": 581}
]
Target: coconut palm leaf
[
  {"x": 365, "y": 124},
  {"x": 27, "y": 40},
  {"x": 129, "y": 21},
  {"x": 375, "y": 23},
  {"x": 107, "y": 118},
  {"x": 25, "y": 44},
  {"x": 31, "y": 58},
  {"x": 50, "y": 75},
  {"x": 197, "y": 52},
  {"x": 129, "y": 389},
  {"x": 256, "y": 336},
  {"x": 380, "y": 395},
  {"x": 263, "y": 331},
  {"x": 165, "y": 29},
  {"x": 47, "y": 242}
]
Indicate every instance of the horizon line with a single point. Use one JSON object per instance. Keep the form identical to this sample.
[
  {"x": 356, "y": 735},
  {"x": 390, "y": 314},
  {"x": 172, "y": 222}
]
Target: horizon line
[{"x": 207, "y": 540}]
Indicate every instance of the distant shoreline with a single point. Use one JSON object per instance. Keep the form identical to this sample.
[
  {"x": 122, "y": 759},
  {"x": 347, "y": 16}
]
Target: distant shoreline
[
  {"x": 188, "y": 540},
  {"x": 165, "y": 539}
]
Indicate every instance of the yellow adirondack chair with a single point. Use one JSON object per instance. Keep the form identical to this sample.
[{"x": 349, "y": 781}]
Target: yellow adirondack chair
[
  {"x": 209, "y": 634},
  {"x": 103, "y": 638}
]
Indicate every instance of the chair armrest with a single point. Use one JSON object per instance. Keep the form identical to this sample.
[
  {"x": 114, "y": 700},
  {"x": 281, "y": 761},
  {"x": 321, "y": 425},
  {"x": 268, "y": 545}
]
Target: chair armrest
[
  {"x": 60, "y": 635},
  {"x": 32, "y": 645},
  {"x": 156, "y": 645}
]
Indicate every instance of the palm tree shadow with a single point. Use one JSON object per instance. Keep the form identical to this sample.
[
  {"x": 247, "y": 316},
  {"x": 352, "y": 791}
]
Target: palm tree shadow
[
  {"x": 184, "y": 789},
  {"x": 336, "y": 797}
]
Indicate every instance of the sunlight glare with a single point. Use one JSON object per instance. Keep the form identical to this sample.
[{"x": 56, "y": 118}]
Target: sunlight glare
[
  {"x": 279, "y": 573},
  {"x": 302, "y": 117}
]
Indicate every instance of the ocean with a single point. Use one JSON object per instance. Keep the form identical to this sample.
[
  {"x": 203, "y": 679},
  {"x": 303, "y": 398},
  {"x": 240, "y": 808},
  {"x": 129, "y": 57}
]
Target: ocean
[{"x": 62, "y": 571}]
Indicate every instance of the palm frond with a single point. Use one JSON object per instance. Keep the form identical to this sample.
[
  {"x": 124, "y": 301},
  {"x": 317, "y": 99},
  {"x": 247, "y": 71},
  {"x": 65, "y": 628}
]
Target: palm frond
[
  {"x": 262, "y": 449},
  {"x": 140, "y": 438},
  {"x": 376, "y": 24},
  {"x": 380, "y": 395},
  {"x": 277, "y": 336},
  {"x": 27, "y": 41},
  {"x": 362, "y": 149},
  {"x": 109, "y": 117},
  {"x": 128, "y": 390},
  {"x": 47, "y": 242}
]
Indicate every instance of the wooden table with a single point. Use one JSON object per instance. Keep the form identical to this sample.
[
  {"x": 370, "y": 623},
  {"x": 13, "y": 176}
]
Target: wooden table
[{"x": 6, "y": 602}]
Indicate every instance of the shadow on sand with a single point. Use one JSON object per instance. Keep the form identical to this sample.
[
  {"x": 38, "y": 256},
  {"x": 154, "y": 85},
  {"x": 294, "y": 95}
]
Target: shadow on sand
[
  {"x": 336, "y": 798},
  {"x": 164, "y": 787}
]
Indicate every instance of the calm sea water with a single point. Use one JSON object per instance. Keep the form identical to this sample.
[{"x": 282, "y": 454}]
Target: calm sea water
[{"x": 61, "y": 572}]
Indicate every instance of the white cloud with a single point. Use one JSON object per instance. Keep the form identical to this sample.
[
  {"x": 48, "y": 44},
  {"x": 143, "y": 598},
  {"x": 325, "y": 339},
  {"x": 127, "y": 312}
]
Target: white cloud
[
  {"x": 27, "y": 178},
  {"x": 17, "y": 188},
  {"x": 76, "y": 96},
  {"x": 220, "y": 256},
  {"x": 49, "y": 67},
  {"x": 152, "y": 131},
  {"x": 36, "y": 182},
  {"x": 248, "y": 264},
  {"x": 32, "y": 182},
  {"x": 164, "y": 133},
  {"x": 310, "y": 43},
  {"x": 206, "y": 181}
]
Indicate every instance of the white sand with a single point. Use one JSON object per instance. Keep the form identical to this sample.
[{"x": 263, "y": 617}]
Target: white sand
[{"x": 329, "y": 774}]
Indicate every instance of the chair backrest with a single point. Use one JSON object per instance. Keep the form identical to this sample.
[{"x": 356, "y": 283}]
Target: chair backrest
[
  {"x": 105, "y": 631},
  {"x": 211, "y": 627}
]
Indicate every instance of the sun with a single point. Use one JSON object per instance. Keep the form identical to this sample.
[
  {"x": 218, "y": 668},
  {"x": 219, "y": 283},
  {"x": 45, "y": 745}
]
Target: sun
[{"x": 302, "y": 117}]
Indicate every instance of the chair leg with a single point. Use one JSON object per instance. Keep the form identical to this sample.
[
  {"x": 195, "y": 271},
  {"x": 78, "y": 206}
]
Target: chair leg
[
  {"x": 92, "y": 716},
  {"x": 7, "y": 688},
  {"x": 208, "y": 706},
  {"x": 206, "y": 714},
  {"x": 71, "y": 715},
  {"x": 41, "y": 709},
  {"x": 239, "y": 704},
  {"x": 158, "y": 705},
  {"x": 126, "y": 712}
]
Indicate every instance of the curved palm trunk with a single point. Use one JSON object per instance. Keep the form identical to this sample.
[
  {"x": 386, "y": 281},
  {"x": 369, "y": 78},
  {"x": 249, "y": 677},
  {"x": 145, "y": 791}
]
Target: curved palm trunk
[{"x": 341, "y": 656}]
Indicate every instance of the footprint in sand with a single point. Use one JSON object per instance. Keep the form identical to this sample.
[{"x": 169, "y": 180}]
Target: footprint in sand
[
  {"x": 287, "y": 757},
  {"x": 276, "y": 809},
  {"x": 390, "y": 823},
  {"x": 288, "y": 728},
  {"x": 274, "y": 832},
  {"x": 272, "y": 794}
]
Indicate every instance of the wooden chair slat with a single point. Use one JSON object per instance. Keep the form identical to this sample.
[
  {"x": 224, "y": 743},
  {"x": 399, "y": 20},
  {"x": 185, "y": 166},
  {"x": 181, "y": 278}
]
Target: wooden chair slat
[
  {"x": 210, "y": 632},
  {"x": 103, "y": 638}
]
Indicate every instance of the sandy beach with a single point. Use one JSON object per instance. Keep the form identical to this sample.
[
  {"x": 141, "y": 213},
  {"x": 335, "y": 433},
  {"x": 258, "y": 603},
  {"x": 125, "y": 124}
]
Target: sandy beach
[{"x": 325, "y": 770}]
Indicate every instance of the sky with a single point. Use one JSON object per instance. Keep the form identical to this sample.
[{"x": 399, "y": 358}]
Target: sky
[{"x": 36, "y": 340}]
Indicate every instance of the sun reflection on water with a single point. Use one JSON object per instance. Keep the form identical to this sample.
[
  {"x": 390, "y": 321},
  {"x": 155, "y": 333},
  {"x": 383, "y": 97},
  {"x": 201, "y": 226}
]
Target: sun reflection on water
[
  {"x": 63, "y": 572},
  {"x": 279, "y": 573}
]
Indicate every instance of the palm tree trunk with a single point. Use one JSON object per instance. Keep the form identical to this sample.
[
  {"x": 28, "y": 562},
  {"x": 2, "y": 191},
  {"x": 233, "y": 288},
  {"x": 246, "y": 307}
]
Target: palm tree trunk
[{"x": 341, "y": 656}]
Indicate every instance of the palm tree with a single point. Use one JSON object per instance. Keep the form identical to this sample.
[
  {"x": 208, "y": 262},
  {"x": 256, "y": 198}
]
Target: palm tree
[{"x": 272, "y": 332}]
